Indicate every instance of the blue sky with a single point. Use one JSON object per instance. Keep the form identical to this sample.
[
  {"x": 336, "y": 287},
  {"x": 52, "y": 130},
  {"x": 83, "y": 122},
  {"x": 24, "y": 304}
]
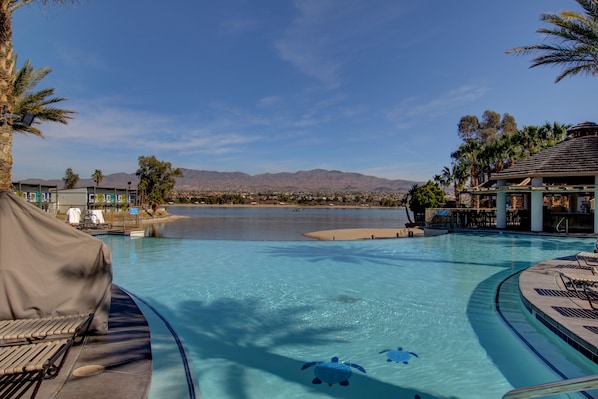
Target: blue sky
[{"x": 264, "y": 86}]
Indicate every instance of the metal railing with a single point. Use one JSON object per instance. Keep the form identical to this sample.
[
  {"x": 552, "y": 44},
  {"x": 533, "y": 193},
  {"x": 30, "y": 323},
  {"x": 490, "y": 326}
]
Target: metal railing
[
  {"x": 552, "y": 388},
  {"x": 558, "y": 225}
]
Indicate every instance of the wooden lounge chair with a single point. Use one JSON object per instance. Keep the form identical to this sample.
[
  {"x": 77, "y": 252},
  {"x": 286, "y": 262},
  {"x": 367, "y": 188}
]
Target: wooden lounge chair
[{"x": 26, "y": 364}]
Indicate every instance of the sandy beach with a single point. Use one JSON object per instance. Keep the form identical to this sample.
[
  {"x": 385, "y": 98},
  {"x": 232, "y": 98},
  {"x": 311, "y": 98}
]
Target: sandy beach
[{"x": 364, "y": 234}]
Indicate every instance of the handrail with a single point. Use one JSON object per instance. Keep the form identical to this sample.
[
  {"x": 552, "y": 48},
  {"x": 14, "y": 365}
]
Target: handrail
[
  {"x": 551, "y": 388},
  {"x": 566, "y": 225}
]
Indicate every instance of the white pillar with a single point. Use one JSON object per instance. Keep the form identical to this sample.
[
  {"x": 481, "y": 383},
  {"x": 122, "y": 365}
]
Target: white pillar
[
  {"x": 595, "y": 204},
  {"x": 501, "y": 206},
  {"x": 537, "y": 222}
]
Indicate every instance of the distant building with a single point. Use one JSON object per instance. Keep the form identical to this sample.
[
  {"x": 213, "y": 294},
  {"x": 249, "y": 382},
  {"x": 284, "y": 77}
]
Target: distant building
[
  {"x": 89, "y": 198},
  {"x": 39, "y": 195}
]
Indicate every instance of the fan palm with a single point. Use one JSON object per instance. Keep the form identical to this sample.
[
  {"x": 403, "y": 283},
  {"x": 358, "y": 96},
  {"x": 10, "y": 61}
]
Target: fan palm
[
  {"x": 575, "y": 41},
  {"x": 39, "y": 103},
  {"x": 97, "y": 177},
  {"x": 7, "y": 78}
]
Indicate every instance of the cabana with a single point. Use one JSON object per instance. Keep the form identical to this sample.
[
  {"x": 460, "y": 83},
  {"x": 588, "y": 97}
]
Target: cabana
[
  {"x": 556, "y": 187},
  {"x": 49, "y": 268}
]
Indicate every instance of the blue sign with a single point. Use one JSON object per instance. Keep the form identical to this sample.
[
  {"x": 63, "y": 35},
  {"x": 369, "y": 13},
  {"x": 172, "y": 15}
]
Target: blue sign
[{"x": 134, "y": 211}]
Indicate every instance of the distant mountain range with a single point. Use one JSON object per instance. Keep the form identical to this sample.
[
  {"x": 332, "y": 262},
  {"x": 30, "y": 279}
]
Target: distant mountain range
[{"x": 317, "y": 180}]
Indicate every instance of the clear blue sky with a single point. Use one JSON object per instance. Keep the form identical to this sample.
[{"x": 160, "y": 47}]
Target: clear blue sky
[{"x": 264, "y": 86}]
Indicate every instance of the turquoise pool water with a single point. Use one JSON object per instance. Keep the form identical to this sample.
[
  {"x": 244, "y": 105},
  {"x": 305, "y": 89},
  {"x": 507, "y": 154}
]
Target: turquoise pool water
[{"x": 251, "y": 314}]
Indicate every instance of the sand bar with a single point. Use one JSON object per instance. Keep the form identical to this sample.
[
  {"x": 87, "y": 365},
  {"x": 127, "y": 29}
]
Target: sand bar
[{"x": 365, "y": 234}]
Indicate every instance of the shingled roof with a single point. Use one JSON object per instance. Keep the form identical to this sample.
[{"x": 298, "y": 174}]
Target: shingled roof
[{"x": 574, "y": 157}]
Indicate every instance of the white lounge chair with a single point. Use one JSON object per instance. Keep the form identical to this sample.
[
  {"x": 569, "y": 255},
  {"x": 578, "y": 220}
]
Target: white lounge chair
[
  {"x": 577, "y": 282},
  {"x": 589, "y": 258}
]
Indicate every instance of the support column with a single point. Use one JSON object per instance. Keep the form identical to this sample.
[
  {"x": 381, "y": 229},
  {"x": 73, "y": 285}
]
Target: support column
[
  {"x": 537, "y": 222},
  {"x": 595, "y": 205},
  {"x": 501, "y": 206}
]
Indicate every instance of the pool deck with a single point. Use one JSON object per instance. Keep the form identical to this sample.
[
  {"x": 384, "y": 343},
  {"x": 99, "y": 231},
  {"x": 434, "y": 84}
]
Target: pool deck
[
  {"x": 124, "y": 354},
  {"x": 559, "y": 309},
  {"x": 115, "y": 365}
]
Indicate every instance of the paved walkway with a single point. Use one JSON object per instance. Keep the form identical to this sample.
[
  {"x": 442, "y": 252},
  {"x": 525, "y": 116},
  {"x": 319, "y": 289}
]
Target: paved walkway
[
  {"x": 568, "y": 316},
  {"x": 115, "y": 365}
]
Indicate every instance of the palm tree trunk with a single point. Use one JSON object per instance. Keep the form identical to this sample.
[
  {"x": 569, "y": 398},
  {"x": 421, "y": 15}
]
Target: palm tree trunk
[{"x": 7, "y": 65}]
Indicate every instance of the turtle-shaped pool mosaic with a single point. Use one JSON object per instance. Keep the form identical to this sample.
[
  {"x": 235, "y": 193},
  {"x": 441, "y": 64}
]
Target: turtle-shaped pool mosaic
[
  {"x": 398, "y": 355},
  {"x": 332, "y": 372}
]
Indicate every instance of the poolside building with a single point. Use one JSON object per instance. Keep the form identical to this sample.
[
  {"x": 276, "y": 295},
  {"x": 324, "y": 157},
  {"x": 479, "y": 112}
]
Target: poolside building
[
  {"x": 89, "y": 198},
  {"x": 39, "y": 195},
  {"x": 551, "y": 191}
]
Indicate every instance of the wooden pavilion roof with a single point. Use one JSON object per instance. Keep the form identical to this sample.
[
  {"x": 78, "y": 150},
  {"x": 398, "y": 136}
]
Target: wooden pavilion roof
[{"x": 577, "y": 156}]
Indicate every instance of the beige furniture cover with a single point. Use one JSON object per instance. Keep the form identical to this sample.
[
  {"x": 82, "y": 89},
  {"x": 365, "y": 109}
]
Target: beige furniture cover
[{"x": 49, "y": 268}]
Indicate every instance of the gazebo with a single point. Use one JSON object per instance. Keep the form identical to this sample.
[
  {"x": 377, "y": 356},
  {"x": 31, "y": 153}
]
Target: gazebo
[{"x": 555, "y": 188}]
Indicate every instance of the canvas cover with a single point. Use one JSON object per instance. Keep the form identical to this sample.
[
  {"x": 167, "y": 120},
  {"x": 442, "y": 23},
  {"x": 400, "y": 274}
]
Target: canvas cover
[
  {"x": 73, "y": 216},
  {"x": 97, "y": 217},
  {"x": 48, "y": 267}
]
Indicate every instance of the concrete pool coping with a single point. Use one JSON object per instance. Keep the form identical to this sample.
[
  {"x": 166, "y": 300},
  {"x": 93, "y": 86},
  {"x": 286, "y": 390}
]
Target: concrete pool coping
[
  {"x": 115, "y": 365},
  {"x": 563, "y": 312}
]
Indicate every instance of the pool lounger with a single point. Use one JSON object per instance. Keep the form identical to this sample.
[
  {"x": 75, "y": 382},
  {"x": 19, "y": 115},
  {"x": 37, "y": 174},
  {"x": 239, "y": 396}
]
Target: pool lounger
[
  {"x": 591, "y": 294},
  {"x": 578, "y": 281},
  {"x": 13, "y": 331},
  {"x": 26, "y": 364},
  {"x": 589, "y": 258}
]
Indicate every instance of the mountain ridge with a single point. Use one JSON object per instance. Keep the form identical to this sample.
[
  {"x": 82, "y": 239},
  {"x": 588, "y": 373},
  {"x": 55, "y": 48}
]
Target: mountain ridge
[{"x": 315, "y": 180}]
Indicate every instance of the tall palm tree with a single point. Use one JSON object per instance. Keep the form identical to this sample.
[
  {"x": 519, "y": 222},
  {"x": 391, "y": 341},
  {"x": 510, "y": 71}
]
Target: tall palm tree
[
  {"x": 575, "y": 41},
  {"x": 469, "y": 154},
  {"x": 7, "y": 78},
  {"x": 39, "y": 103},
  {"x": 97, "y": 177}
]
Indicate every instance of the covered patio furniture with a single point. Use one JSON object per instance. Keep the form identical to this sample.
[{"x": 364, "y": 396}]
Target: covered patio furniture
[
  {"x": 48, "y": 268},
  {"x": 73, "y": 216},
  {"x": 97, "y": 220}
]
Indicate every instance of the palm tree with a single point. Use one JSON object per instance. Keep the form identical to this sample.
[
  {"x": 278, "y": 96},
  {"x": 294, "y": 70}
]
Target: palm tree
[
  {"x": 460, "y": 174},
  {"x": 39, "y": 103},
  {"x": 97, "y": 177},
  {"x": 469, "y": 154},
  {"x": 405, "y": 202},
  {"x": 456, "y": 175},
  {"x": 575, "y": 38},
  {"x": 7, "y": 79}
]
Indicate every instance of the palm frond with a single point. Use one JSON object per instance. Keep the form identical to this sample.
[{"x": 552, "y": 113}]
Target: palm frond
[
  {"x": 574, "y": 38},
  {"x": 40, "y": 103}
]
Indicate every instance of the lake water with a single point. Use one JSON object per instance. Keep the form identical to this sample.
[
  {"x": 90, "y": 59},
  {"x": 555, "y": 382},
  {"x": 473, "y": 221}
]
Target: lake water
[{"x": 272, "y": 223}]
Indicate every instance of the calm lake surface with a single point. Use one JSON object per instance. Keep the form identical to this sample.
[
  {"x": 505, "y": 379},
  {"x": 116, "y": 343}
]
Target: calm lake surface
[{"x": 271, "y": 223}]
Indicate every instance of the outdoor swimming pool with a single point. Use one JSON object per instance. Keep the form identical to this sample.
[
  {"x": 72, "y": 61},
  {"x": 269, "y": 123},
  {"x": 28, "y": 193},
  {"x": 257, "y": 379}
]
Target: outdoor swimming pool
[{"x": 251, "y": 314}]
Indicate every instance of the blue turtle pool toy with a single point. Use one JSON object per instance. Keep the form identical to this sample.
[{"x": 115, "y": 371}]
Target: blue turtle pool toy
[
  {"x": 332, "y": 372},
  {"x": 398, "y": 355}
]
